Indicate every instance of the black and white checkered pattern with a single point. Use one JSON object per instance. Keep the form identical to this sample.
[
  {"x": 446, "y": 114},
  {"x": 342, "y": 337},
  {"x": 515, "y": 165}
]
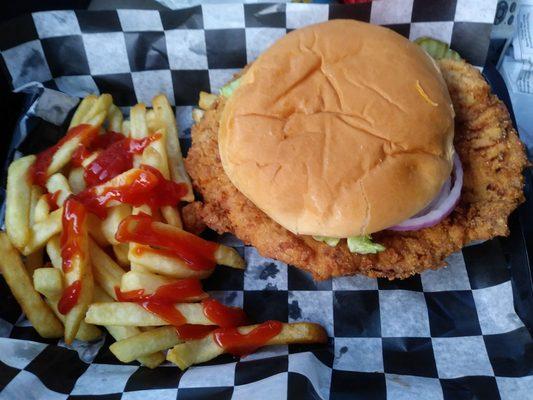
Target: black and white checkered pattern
[{"x": 447, "y": 334}]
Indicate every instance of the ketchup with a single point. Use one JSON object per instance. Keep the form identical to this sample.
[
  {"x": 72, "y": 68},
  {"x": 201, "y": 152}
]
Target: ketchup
[
  {"x": 69, "y": 298},
  {"x": 162, "y": 303},
  {"x": 100, "y": 142},
  {"x": 51, "y": 199},
  {"x": 167, "y": 311},
  {"x": 201, "y": 265},
  {"x": 191, "y": 331},
  {"x": 106, "y": 140},
  {"x": 238, "y": 344},
  {"x": 222, "y": 315},
  {"x": 115, "y": 159},
  {"x": 73, "y": 218},
  {"x": 146, "y": 186},
  {"x": 79, "y": 156},
  {"x": 39, "y": 171},
  {"x": 199, "y": 254},
  {"x": 175, "y": 292}
]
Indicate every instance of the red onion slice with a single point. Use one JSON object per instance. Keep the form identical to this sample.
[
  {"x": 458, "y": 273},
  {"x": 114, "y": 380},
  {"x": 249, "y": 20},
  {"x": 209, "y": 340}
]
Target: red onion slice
[{"x": 439, "y": 208}]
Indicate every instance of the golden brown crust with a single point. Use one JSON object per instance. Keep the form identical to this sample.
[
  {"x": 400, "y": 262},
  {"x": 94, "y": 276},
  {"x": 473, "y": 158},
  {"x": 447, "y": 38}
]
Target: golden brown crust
[
  {"x": 192, "y": 221},
  {"x": 493, "y": 158}
]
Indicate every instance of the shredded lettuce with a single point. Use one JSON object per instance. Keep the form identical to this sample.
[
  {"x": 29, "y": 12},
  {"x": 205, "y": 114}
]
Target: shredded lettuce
[
  {"x": 364, "y": 245},
  {"x": 330, "y": 241},
  {"x": 228, "y": 89}
]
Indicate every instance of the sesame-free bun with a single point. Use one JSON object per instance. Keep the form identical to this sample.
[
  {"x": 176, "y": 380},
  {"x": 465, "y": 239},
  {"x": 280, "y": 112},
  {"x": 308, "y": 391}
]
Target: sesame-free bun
[{"x": 339, "y": 129}]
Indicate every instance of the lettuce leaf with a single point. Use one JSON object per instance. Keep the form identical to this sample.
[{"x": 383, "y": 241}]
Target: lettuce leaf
[
  {"x": 364, "y": 245},
  {"x": 228, "y": 89},
  {"x": 330, "y": 241}
]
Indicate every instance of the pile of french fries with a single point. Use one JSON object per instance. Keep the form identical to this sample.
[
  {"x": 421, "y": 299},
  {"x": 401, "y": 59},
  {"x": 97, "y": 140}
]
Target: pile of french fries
[{"x": 31, "y": 250}]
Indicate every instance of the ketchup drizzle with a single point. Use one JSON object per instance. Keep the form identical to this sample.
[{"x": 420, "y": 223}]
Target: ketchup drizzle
[
  {"x": 199, "y": 254},
  {"x": 222, "y": 315},
  {"x": 115, "y": 159},
  {"x": 39, "y": 170},
  {"x": 175, "y": 292},
  {"x": 69, "y": 298},
  {"x": 238, "y": 344},
  {"x": 51, "y": 199},
  {"x": 147, "y": 186},
  {"x": 162, "y": 303},
  {"x": 191, "y": 331},
  {"x": 74, "y": 215}
]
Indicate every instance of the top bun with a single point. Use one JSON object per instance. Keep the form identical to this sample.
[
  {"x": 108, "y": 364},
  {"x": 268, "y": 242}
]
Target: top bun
[{"x": 339, "y": 129}]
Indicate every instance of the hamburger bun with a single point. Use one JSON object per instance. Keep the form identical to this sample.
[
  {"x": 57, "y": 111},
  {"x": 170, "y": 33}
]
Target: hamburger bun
[{"x": 339, "y": 129}]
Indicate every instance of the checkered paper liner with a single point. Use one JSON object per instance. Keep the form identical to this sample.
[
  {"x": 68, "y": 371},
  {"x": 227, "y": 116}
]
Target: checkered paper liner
[{"x": 446, "y": 334}]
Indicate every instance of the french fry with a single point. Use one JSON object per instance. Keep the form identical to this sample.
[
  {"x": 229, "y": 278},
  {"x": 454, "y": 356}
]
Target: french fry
[
  {"x": 138, "y": 268},
  {"x": 76, "y": 180},
  {"x": 151, "y": 121},
  {"x": 197, "y": 114},
  {"x": 138, "y": 127},
  {"x": 63, "y": 155},
  {"x": 79, "y": 271},
  {"x": 155, "y": 156},
  {"x": 48, "y": 282},
  {"x": 53, "y": 249},
  {"x": 42, "y": 231},
  {"x": 149, "y": 283},
  {"x": 58, "y": 183},
  {"x": 18, "y": 201},
  {"x": 33, "y": 261},
  {"x": 197, "y": 351},
  {"x": 121, "y": 253},
  {"x": 142, "y": 209},
  {"x": 133, "y": 314},
  {"x": 92, "y": 112},
  {"x": 85, "y": 163},
  {"x": 149, "y": 342},
  {"x": 223, "y": 255},
  {"x": 41, "y": 210},
  {"x": 107, "y": 273},
  {"x": 172, "y": 216},
  {"x": 124, "y": 332},
  {"x": 36, "y": 193},
  {"x": 86, "y": 332},
  {"x": 165, "y": 115},
  {"x": 82, "y": 110},
  {"x": 97, "y": 113},
  {"x": 94, "y": 224},
  {"x": 138, "y": 124},
  {"x": 114, "y": 119},
  {"x": 163, "y": 264},
  {"x": 18, "y": 280},
  {"x": 123, "y": 179},
  {"x": 110, "y": 224},
  {"x": 228, "y": 256},
  {"x": 126, "y": 131},
  {"x": 207, "y": 100}
]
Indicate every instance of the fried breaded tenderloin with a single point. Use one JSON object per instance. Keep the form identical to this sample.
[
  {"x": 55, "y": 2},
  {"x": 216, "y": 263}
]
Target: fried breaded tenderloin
[{"x": 493, "y": 159}]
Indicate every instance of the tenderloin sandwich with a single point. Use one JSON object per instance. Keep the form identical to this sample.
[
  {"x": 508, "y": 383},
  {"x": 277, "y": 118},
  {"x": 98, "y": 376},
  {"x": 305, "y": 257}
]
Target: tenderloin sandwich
[{"x": 345, "y": 148}]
